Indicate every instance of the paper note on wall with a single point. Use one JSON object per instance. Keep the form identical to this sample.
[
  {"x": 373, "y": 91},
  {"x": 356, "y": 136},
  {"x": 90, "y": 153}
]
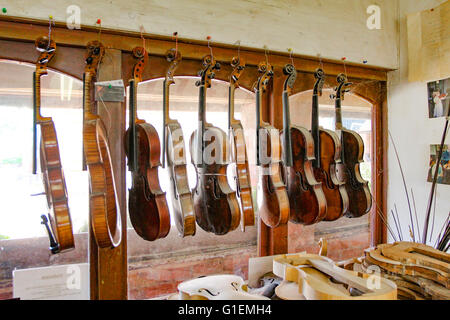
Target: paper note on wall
[
  {"x": 429, "y": 44},
  {"x": 65, "y": 282}
]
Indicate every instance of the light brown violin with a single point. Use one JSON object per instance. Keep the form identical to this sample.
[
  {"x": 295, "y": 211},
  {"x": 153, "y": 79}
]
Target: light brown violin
[
  {"x": 103, "y": 205},
  {"x": 147, "y": 204},
  {"x": 60, "y": 230},
  {"x": 175, "y": 153},
  {"x": 239, "y": 151},
  {"x": 274, "y": 207},
  {"x": 215, "y": 203},
  {"x": 352, "y": 156}
]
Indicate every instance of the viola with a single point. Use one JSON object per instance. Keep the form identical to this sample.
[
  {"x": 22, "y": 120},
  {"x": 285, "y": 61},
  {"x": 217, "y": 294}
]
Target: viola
[
  {"x": 217, "y": 287},
  {"x": 274, "y": 206},
  {"x": 239, "y": 151},
  {"x": 147, "y": 204},
  {"x": 215, "y": 203},
  {"x": 327, "y": 158},
  {"x": 306, "y": 199},
  {"x": 103, "y": 204},
  {"x": 352, "y": 156},
  {"x": 174, "y": 151},
  {"x": 318, "y": 278},
  {"x": 60, "y": 230}
]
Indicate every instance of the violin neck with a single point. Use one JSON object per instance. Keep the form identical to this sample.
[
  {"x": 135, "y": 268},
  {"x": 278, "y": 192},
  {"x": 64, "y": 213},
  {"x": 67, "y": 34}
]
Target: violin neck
[
  {"x": 287, "y": 142},
  {"x": 338, "y": 110},
  {"x": 36, "y": 115},
  {"x": 258, "y": 124},
  {"x": 201, "y": 125},
  {"x": 132, "y": 138},
  {"x": 166, "y": 119},
  {"x": 87, "y": 106},
  {"x": 231, "y": 118},
  {"x": 315, "y": 129}
]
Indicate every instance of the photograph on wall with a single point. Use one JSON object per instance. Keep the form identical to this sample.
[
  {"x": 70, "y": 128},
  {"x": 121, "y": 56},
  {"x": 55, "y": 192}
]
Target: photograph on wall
[
  {"x": 444, "y": 166},
  {"x": 438, "y": 98}
]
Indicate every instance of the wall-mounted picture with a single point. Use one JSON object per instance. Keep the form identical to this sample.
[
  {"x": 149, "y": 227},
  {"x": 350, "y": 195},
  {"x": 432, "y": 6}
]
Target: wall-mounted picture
[
  {"x": 438, "y": 98},
  {"x": 444, "y": 166}
]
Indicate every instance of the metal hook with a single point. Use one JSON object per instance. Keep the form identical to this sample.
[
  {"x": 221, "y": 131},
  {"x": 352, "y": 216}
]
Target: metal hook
[
  {"x": 290, "y": 56},
  {"x": 210, "y": 49},
  {"x": 142, "y": 37},
  {"x": 266, "y": 54}
]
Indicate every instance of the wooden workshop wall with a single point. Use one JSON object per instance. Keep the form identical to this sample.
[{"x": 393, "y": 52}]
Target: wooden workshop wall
[
  {"x": 408, "y": 117},
  {"x": 333, "y": 28}
]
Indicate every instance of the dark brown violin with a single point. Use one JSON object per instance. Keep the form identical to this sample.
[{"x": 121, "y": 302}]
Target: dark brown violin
[
  {"x": 147, "y": 205},
  {"x": 175, "y": 152},
  {"x": 239, "y": 151},
  {"x": 274, "y": 205},
  {"x": 60, "y": 230},
  {"x": 103, "y": 204},
  {"x": 306, "y": 199},
  {"x": 327, "y": 151},
  {"x": 352, "y": 155},
  {"x": 215, "y": 203}
]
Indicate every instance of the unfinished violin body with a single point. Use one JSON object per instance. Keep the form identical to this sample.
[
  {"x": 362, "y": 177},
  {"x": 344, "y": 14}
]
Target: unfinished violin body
[
  {"x": 215, "y": 203},
  {"x": 274, "y": 204},
  {"x": 216, "y": 287},
  {"x": 306, "y": 199},
  {"x": 239, "y": 152},
  {"x": 352, "y": 155},
  {"x": 147, "y": 205},
  {"x": 103, "y": 205},
  {"x": 60, "y": 234},
  {"x": 174, "y": 151},
  {"x": 318, "y": 278}
]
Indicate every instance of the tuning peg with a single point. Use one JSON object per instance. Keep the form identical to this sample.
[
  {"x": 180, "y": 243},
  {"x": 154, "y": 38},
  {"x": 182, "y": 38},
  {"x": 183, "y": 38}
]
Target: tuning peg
[
  {"x": 212, "y": 75},
  {"x": 347, "y": 90},
  {"x": 198, "y": 83},
  {"x": 217, "y": 66},
  {"x": 332, "y": 96},
  {"x": 348, "y": 84},
  {"x": 89, "y": 60}
]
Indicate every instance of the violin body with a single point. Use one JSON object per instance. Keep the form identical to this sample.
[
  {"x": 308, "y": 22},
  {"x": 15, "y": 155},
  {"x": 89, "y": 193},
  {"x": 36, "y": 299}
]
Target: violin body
[
  {"x": 333, "y": 188},
  {"x": 103, "y": 205},
  {"x": 357, "y": 188},
  {"x": 147, "y": 205},
  {"x": 55, "y": 187},
  {"x": 60, "y": 230},
  {"x": 181, "y": 197},
  {"x": 274, "y": 207},
  {"x": 242, "y": 176},
  {"x": 215, "y": 203},
  {"x": 306, "y": 199},
  {"x": 216, "y": 287},
  {"x": 175, "y": 153}
]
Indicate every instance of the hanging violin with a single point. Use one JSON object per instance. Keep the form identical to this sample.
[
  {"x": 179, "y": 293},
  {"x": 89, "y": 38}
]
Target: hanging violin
[
  {"x": 327, "y": 153},
  {"x": 103, "y": 205},
  {"x": 239, "y": 151},
  {"x": 215, "y": 203},
  {"x": 147, "y": 205},
  {"x": 60, "y": 230},
  {"x": 174, "y": 150},
  {"x": 274, "y": 207},
  {"x": 306, "y": 199},
  {"x": 352, "y": 155}
]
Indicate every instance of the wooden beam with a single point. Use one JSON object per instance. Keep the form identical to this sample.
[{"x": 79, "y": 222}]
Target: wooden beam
[
  {"x": 16, "y": 28},
  {"x": 108, "y": 267}
]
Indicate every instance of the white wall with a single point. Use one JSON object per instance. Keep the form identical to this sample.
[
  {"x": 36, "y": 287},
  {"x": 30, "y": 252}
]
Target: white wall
[
  {"x": 333, "y": 28},
  {"x": 413, "y": 132}
]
